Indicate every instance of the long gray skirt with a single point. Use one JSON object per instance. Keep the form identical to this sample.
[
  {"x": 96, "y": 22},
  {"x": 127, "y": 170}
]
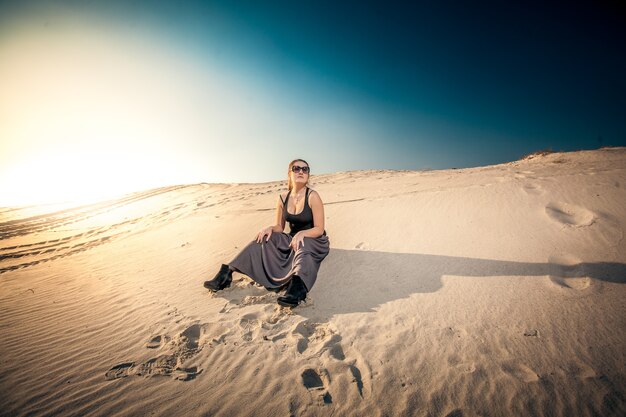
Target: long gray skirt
[{"x": 273, "y": 263}]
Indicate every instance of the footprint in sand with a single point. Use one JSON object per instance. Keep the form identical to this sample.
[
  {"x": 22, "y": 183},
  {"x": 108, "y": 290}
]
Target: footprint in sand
[
  {"x": 183, "y": 347},
  {"x": 119, "y": 371},
  {"x": 166, "y": 365},
  {"x": 161, "y": 365},
  {"x": 157, "y": 341},
  {"x": 317, "y": 339},
  {"x": 457, "y": 362},
  {"x": 313, "y": 381},
  {"x": 357, "y": 378},
  {"x": 336, "y": 351},
  {"x": 265, "y": 324},
  {"x": 570, "y": 214},
  {"x": 567, "y": 271},
  {"x": 250, "y": 326},
  {"x": 581, "y": 370},
  {"x": 258, "y": 299},
  {"x": 520, "y": 371},
  {"x": 186, "y": 374},
  {"x": 190, "y": 337},
  {"x": 308, "y": 333},
  {"x": 533, "y": 189}
]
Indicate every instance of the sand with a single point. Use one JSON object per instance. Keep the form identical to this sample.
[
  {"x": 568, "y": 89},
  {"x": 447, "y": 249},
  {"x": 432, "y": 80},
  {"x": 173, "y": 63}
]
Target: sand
[{"x": 489, "y": 291}]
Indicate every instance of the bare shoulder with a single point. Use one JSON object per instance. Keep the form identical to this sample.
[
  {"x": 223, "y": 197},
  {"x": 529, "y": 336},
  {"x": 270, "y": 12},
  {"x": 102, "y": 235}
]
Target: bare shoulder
[{"x": 315, "y": 197}]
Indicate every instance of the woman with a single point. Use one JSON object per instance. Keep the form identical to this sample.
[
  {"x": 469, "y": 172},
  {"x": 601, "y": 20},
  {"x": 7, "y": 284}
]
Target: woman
[{"x": 276, "y": 259}]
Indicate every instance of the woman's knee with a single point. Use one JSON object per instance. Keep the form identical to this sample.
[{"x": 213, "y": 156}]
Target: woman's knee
[{"x": 303, "y": 251}]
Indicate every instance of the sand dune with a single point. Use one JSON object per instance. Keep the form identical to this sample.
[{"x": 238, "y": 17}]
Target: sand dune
[{"x": 490, "y": 291}]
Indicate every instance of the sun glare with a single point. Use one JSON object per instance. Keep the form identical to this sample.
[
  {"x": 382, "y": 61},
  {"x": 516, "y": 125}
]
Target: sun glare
[
  {"x": 87, "y": 115},
  {"x": 74, "y": 177}
]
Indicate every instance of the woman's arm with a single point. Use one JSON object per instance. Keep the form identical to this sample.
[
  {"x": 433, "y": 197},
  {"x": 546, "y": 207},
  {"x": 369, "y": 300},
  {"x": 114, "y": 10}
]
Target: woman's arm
[
  {"x": 280, "y": 220},
  {"x": 266, "y": 232}
]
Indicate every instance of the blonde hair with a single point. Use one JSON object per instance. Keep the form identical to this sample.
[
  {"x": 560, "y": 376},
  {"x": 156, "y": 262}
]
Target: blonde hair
[{"x": 289, "y": 183}]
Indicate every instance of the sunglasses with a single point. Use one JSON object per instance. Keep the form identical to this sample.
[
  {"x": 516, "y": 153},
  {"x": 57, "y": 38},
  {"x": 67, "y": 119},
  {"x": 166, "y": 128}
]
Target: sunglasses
[{"x": 296, "y": 169}]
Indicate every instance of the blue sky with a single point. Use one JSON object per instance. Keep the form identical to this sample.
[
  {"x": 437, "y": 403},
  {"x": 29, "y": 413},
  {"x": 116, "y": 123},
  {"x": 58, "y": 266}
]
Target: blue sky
[{"x": 232, "y": 91}]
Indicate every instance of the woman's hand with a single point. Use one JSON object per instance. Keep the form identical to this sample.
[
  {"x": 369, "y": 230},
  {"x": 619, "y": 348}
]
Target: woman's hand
[
  {"x": 298, "y": 239},
  {"x": 264, "y": 232}
]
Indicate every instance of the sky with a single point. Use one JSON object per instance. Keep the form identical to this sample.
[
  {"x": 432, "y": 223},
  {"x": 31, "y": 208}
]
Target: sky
[{"x": 98, "y": 99}]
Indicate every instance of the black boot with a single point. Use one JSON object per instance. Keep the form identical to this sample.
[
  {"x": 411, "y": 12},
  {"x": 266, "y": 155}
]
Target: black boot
[
  {"x": 277, "y": 289},
  {"x": 222, "y": 279},
  {"x": 295, "y": 293}
]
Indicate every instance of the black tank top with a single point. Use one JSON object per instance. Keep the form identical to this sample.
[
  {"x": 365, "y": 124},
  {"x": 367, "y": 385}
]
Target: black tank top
[{"x": 301, "y": 221}]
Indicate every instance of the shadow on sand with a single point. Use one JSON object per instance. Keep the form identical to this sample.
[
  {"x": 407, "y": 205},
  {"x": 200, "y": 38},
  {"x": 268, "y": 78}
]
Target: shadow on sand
[{"x": 364, "y": 280}]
